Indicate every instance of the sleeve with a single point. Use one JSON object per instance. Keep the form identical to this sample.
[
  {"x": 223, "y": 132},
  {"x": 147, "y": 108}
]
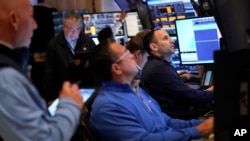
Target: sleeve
[
  {"x": 169, "y": 77},
  {"x": 116, "y": 26},
  {"x": 115, "y": 123},
  {"x": 24, "y": 116},
  {"x": 179, "y": 124}
]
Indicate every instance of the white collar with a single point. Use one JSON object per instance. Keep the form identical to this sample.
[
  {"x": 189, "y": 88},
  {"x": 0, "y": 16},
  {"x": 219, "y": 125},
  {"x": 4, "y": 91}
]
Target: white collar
[{"x": 139, "y": 67}]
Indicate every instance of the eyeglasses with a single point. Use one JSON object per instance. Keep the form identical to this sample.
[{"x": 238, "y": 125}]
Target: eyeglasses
[
  {"x": 127, "y": 52},
  {"x": 70, "y": 29}
]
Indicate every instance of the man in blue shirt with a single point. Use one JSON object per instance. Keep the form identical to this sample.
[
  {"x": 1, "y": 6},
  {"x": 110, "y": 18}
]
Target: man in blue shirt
[
  {"x": 23, "y": 113},
  {"x": 161, "y": 80},
  {"x": 121, "y": 112}
]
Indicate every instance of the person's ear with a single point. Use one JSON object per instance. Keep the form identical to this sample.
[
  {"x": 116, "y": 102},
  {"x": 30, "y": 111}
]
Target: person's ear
[
  {"x": 137, "y": 53},
  {"x": 116, "y": 69},
  {"x": 153, "y": 47},
  {"x": 14, "y": 21}
]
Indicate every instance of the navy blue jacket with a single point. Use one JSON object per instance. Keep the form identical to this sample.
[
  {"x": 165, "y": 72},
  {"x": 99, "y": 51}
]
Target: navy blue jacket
[{"x": 160, "y": 79}]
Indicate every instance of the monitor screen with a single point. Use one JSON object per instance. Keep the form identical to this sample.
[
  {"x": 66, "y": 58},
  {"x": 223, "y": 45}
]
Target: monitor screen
[
  {"x": 58, "y": 18},
  {"x": 175, "y": 60},
  {"x": 95, "y": 22},
  {"x": 95, "y": 39},
  {"x": 85, "y": 92},
  {"x": 198, "y": 38},
  {"x": 132, "y": 24},
  {"x": 164, "y": 13}
]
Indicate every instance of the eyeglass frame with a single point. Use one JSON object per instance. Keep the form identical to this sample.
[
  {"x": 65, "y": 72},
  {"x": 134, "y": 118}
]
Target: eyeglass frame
[
  {"x": 127, "y": 52},
  {"x": 72, "y": 30}
]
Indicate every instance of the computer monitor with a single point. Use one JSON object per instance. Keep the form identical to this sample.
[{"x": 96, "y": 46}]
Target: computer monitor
[
  {"x": 95, "y": 39},
  {"x": 85, "y": 92},
  {"x": 198, "y": 38},
  {"x": 164, "y": 13},
  {"x": 58, "y": 18},
  {"x": 95, "y": 22},
  {"x": 132, "y": 24},
  {"x": 175, "y": 60}
]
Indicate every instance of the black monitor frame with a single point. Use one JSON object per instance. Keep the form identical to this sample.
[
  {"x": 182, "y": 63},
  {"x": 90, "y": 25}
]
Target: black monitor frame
[
  {"x": 192, "y": 50},
  {"x": 235, "y": 27}
]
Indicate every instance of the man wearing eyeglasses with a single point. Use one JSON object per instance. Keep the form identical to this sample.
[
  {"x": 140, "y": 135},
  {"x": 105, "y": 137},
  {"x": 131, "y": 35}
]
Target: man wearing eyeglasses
[
  {"x": 60, "y": 53},
  {"x": 121, "y": 113}
]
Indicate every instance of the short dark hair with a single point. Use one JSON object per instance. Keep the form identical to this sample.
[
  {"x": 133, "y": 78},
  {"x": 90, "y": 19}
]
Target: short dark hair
[
  {"x": 136, "y": 43},
  {"x": 148, "y": 39},
  {"x": 73, "y": 16},
  {"x": 105, "y": 33},
  {"x": 102, "y": 59}
]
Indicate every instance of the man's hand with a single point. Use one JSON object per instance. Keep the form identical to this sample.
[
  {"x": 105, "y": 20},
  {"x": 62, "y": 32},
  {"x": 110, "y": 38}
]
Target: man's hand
[
  {"x": 211, "y": 88},
  {"x": 185, "y": 73},
  {"x": 77, "y": 62},
  {"x": 72, "y": 91},
  {"x": 123, "y": 15},
  {"x": 206, "y": 127}
]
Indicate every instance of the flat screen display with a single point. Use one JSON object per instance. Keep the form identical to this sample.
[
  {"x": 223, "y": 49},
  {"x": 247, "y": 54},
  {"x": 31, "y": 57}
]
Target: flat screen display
[
  {"x": 132, "y": 24},
  {"x": 85, "y": 92},
  {"x": 163, "y": 13},
  {"x": 95, "y": 22},
  {"x": 198, "y": 38}
]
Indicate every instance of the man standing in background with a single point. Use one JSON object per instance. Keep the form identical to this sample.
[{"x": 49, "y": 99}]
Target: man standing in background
[{"x": 60, "y": 53}]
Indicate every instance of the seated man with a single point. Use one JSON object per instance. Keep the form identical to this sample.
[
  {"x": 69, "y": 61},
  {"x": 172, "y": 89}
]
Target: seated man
[
  {"x": 120, "y": 113},
  {"x": 136, "y": 48},
  {"x": 160, "y": 79}
]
